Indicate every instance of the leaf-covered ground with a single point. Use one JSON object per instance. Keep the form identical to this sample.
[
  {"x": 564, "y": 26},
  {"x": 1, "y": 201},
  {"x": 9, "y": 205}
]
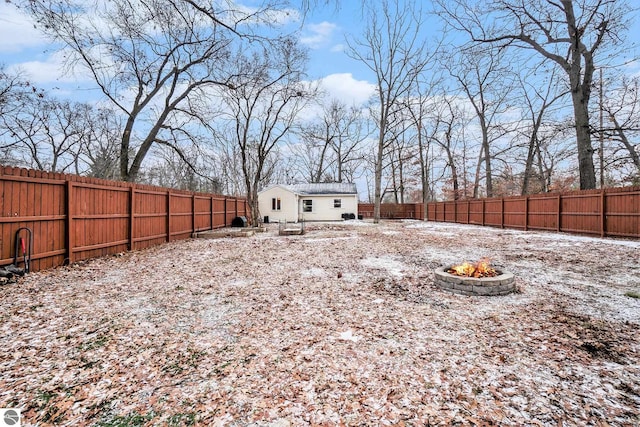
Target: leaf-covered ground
[{"x": 340, "y": 326}]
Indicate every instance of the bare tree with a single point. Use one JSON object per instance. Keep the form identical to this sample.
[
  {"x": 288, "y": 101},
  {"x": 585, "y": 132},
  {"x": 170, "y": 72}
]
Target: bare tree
[
  {"x": 100, "y": 152},
  {"x": 150, "y": 58},
  {"x": 621, "y": 108},
  {"x": 487, "y": 84},
  {"x": 314, "y": 151},
  {"x": 329, "y": 149},
  {"x": 263, "y": 104},
  {"x": 399, "y": 153},
  {"x": 569, "y": 33},
  {"x": 17, "y": 95},
  {"x": 392, "y": 49},
  {"x": 539, "y": 103},
  {"x": 449, "y": 118},
  {"x": 48, "y": 133},
  {"x": 420, "y": 109}
]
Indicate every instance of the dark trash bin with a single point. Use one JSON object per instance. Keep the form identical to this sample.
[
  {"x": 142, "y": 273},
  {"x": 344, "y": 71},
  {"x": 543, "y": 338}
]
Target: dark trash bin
[
  {"x": 266, "y": 219},
  {"x": 360, "y": 217},
  {"x": 239, "y": 221}
]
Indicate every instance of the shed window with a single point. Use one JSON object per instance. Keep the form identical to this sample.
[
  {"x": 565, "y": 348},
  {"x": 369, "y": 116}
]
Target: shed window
[
  {"x": 307, "y": 205},
  {"x": 337, "y": 203},
  {"x": 275, "y": 204}
]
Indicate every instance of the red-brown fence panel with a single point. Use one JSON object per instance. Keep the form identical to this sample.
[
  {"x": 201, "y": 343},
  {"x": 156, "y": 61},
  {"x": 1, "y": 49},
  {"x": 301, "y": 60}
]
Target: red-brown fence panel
[
  {"x": 608, "y": 212},
  {"x": 99, "y": 220},
  {"x": 579, "y": 213},
  {"x": 202, "y": 211},
  {"x": 393, "y": 210},
  {"x": 366, "y": 210},
  {"x": 515, "y": 212},
  {"x": 74, "y": 218},
  {"x": 219, "y": 212},
  {"x": 150, "y": 218},
  {"x": 181, "y": 215},
  {"x": 543, "y": 212},
  {"x": 493, "y": 212},
  {"x": 622, "y": 212},
  {"x": 476, "y": 212},
  {"x": 35, "y": 202}
]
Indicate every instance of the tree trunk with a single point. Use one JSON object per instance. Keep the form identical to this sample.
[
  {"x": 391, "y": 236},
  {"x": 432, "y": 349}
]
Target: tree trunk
[
  {"x": 377, "y": 194},
  {"x": 635, "y": 158},
  {"x": 394, "y": 181},
  {"x": 424, "y": 175},
  {"x": 254, "y": 207},
  {"x": 529, "y": 164},
  {"x": 487, "y": 169},
  {"x": 401, "y": 176},
  {"x": 476, "y": 183},
  {"x": 544, "y": 177},
  {"x": 454, "y": 175},
  {"x": 487, "y": 157},
  {"x": 580, "y": 80},
  {"x": 583, "y": 135}
]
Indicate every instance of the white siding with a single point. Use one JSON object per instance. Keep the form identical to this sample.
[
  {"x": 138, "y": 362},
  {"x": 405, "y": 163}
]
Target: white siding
[
  {"x": 291, "y": 203},
  {"x": 288, "y": 204},
  {"x": 324, "y": 210}
]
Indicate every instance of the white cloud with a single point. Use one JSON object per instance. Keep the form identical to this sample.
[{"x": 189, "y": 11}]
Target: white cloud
[
  {"x": 344, "y": 87},
  {"x": 318, "y": 34},
  {"x": 50, "y": 71},
  {"x": 17, "y": 31}
]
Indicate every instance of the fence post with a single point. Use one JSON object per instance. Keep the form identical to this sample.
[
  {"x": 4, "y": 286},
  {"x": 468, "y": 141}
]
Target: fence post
[
  {"x": 193, "y": 213},
  {"x": 502, "y": 212},
  {"x": 211, "y": 208},
  {"x": 226, "y": 200},
  {"x": 455, "y": 211},
  {"x": 526, "y": 213},
  {"x": 559, "y": 217},
  {"x": 603, "y": 217},
  {"x": 132, "y": 193},
  {"x": 168, "y": 215},
  {"x": 483, "y": 212},
  {"x": 468, "y": 211},
  {"x": 69, "y": 240}
]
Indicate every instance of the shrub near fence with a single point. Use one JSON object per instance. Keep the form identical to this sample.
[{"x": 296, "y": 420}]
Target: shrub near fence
[
  {"x": 611, "y": 212},
  {"x": 75, "y": 218}
]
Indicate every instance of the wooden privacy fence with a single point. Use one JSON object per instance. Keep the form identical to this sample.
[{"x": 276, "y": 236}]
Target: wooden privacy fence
[
  {"x": 611, "y": 212},
  {"x": 393, "y": 210},
  {"x": 75, "y": 218}
]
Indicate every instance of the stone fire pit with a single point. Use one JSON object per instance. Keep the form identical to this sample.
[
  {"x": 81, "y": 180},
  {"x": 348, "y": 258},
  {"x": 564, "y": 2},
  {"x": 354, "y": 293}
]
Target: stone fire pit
[{"x": 502, "y": 284}]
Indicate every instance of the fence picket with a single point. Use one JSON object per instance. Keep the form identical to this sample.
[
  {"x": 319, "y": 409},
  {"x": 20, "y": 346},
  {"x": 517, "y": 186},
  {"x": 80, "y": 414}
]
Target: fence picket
[
  {"x": 75, "y": 218},
  {"x": 605, "y": 212}
]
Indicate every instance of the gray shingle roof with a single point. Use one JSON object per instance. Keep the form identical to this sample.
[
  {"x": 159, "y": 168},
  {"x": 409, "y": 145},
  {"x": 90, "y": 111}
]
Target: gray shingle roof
[{"x": 323, "y": 188}]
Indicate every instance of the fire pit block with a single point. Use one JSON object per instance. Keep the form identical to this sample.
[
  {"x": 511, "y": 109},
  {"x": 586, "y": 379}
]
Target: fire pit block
[{"x": 502, "y": 284}]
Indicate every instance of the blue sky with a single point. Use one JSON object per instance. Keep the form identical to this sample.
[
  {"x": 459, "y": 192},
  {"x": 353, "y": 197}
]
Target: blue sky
[
  {"x": 324, "y": 32},
  {"x": 23, "y": 47}
]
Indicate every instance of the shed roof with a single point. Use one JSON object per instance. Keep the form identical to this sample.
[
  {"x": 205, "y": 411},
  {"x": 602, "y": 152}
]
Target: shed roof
[{"x": 322, "y": 188}]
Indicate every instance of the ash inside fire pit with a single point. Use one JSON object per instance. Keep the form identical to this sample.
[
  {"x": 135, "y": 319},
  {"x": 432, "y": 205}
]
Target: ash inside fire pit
[{"x": 475, "y": 279}]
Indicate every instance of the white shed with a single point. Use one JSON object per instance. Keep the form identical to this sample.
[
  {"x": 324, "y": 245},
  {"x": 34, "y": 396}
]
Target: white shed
[{"x": 308, "y": 202}]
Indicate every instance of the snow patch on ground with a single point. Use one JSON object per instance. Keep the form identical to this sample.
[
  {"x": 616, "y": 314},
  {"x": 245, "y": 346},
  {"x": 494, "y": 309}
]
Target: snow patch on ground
[
  {"x": 390, "y": 265},
  {"x": 314, "y": 272},
  {"x": 351, "y": 328},
  {"x": 328, "y": 239}
]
